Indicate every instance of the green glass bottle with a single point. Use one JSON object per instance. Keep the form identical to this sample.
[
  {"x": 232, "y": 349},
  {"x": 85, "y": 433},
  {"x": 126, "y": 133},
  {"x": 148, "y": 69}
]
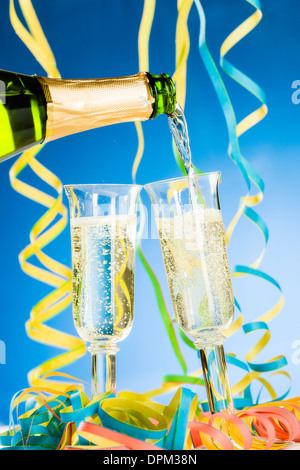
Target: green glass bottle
[{"x": 36, "y": 109}]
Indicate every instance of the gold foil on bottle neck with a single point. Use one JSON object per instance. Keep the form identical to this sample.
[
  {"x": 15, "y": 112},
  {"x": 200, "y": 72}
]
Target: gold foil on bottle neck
[{"x": 78, "y": 105}]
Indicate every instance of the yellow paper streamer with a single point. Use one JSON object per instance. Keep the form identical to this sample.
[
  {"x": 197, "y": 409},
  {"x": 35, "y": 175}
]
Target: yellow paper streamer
[
  {"x": 45, "y": 229},
  {"x": 143, "y": 51},
  {"x": 61, "y": 419},
  {"x": 182, "y": 49}
]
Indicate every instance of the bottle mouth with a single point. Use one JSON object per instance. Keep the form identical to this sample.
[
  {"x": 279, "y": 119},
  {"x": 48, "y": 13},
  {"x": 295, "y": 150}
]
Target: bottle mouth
[{"x": 163, "y": 91}]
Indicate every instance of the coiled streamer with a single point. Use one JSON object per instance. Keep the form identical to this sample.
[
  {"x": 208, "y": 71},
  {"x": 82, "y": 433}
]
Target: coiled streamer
[
  {"x": 67, "y": 419},
  {"x": 47, "y": 228},
  {"x": 235, "y": 130}
]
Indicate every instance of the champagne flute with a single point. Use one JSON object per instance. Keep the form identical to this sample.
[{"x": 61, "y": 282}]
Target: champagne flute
[
  {"x": 189, "y": 222},
  {"x": 103, "y": 223}
]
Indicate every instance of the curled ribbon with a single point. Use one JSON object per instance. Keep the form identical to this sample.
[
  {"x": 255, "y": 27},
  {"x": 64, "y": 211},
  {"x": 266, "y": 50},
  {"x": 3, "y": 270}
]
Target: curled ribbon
[
  {"x": 47, "y": 228},
  {"x": 235, "y": 130},
  {"x": 68, "y": 420}
]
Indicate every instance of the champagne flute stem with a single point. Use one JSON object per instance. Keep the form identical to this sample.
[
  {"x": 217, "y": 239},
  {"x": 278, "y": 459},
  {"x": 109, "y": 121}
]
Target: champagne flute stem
[
  {"x": 216, "y": 379},
  {"x": 103, "y": 373}
]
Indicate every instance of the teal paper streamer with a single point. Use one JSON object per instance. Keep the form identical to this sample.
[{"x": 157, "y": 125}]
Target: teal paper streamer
[
  {"x": 221, "y": 93},
  {"x": 32, "y": 431},
  {"x": 80, "y": 414},
  {"x": 168, "y": 441},
  {"x": 175, "y": 438},
  {"x": 246, "y": 169},
  {"x": 266, "y": 367},
  {"x": 77, "y": 404},
  {"x": 256, "y": 218},
  {"x": 32, "y": 436},
  {"x": 182, "y": 418},
  {"x": 29, "y": 448}
]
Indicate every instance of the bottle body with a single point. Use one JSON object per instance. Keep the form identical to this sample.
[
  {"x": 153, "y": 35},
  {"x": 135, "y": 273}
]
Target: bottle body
[
  {"x": 37, "y": 109},
  {"x": 23, "y": 113}
]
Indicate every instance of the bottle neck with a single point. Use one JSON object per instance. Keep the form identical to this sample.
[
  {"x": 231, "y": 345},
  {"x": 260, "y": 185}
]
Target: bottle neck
[
  {"x": 163, "y": 91},
  {"x": 78, "y": 105}
]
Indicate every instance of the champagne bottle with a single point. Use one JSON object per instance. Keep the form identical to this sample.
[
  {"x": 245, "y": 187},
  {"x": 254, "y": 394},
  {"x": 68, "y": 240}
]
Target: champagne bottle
[{"x": 36, "y": 109}]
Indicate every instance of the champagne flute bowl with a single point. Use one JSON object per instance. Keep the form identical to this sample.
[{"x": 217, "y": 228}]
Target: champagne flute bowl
[
  {"x": 103, "y": 223},
  {"x": 190, "y": 228}
]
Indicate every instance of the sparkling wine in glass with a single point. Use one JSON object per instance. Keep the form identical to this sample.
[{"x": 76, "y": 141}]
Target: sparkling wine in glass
[
  {"x": 191, "y": 234},
  {"x": 103, "y": 230}
]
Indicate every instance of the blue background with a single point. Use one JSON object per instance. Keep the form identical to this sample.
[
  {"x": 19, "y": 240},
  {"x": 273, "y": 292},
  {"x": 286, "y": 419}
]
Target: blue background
[{"x": 98, "y": 38}]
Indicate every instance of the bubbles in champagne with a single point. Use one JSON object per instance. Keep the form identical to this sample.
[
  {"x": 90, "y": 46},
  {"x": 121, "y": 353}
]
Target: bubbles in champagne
[
  {"x": 196, "y": 264},
  {"x": 103, "y": 276}
]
